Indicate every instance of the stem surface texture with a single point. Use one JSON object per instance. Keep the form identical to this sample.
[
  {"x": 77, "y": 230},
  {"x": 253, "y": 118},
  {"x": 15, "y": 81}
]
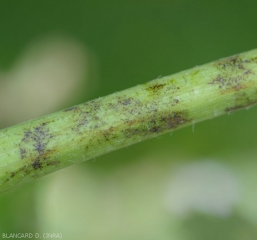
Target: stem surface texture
[{"x": 40, "y": 146}]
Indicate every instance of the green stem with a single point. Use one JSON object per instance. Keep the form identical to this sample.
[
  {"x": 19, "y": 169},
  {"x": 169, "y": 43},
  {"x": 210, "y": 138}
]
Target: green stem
[{"x": 38, "y": 147}]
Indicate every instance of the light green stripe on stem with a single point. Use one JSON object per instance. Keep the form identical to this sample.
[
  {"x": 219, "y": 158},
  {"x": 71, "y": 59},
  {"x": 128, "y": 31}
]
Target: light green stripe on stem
[{"x": 38, "y": 147}]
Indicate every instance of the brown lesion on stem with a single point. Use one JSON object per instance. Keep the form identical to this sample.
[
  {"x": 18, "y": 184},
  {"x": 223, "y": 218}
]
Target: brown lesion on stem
[
  {"x": 34, "y": 151},
  {"x": 155, "y": 88},
  {"x": 82, "y": 115},
  {"x": 234, "y": 63},
  {"x": 159, "y": 123},
  {"x": 233, "y": 74},
  {"x": 34, "y": 141},
  {"x": 31, "y": 168}
]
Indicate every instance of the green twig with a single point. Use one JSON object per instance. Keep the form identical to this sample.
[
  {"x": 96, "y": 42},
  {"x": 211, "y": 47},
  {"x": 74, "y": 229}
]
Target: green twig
[{"x": 38, "y": 147}]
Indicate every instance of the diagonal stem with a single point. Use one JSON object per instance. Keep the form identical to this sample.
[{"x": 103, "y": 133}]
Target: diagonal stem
[{"x": 41, "y": 146}]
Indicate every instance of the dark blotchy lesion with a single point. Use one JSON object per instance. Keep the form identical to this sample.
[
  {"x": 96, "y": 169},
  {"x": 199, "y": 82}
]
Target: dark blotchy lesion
[
  {"x": 38, "y": 138},
  {"x": 233, "y": 73},
  {"x": 82, "y": 115},
  {"x": 158, "y": 123},
  {"x": 36, "y": 164},
  {"x": 34, "y": 152},
  {"x": 12, "y": 174},
  {"x": 226, "y": 82},
  {"x": 218, "y": 80},
  {"x": 234, "y": 62},
  {"x": 175, "y": 119},
  {"x": 22, "y": 152},
  {"x": 155, "y": 88},
  {"x": 125, "y": 101}
]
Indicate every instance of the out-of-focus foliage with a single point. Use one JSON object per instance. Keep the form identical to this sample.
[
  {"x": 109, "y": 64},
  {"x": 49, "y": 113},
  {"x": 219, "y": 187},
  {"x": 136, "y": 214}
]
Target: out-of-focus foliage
[{"x": 198, "y": 183}]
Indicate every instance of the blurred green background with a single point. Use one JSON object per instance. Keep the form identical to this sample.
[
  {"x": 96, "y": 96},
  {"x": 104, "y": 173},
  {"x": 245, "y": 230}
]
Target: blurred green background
[{"x": 196, "y": 183}]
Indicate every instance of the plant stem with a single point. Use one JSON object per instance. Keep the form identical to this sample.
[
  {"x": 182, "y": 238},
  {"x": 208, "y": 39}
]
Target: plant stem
[{"x": 38, "y": 147}]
